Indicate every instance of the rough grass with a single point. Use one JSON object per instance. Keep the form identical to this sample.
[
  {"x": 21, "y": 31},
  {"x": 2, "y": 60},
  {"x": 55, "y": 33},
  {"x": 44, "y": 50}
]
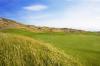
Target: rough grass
[
  {"x": 86, "y": 47},
  {"x": 23, "y": 51}
]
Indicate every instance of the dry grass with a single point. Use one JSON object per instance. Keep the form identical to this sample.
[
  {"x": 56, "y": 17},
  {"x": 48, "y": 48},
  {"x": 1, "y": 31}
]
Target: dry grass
[{"x": 23, "y": 51}]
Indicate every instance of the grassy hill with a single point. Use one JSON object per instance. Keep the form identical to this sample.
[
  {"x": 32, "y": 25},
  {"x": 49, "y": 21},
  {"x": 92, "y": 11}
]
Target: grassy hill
[
  {"x": 85, "y": 47},
  {"x": 23, "y": 51}
]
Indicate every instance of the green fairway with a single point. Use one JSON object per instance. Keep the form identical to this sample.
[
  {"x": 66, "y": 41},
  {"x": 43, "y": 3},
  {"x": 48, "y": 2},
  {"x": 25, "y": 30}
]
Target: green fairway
[{"x": 85, "y": 47}]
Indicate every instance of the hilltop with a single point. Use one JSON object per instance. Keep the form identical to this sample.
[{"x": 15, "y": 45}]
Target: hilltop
[{"x": 8, "y": 23}]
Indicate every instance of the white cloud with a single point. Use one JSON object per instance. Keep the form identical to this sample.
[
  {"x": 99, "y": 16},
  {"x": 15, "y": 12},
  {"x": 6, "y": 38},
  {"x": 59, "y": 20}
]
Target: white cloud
[
  {"x": 85, "y": 0},
  {"x": 38, "y": 17},
  {"x": 69, "y": 0},
  {"x": 84, "y": 16},
  {"x": 37, "y": 7},
  {"x": 92, "y": 0}
]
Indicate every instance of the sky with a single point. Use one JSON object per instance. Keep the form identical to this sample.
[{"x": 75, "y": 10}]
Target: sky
[{"x": 76, "y": 14}]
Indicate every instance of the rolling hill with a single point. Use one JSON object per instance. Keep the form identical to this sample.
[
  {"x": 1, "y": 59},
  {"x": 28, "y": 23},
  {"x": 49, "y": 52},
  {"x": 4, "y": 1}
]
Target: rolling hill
[
  {"x": 21, "y": 50},
  {"x": 18, "y": 50},
  {"x": 7, "y": 23},
  {"x": 81, "y": 48}
]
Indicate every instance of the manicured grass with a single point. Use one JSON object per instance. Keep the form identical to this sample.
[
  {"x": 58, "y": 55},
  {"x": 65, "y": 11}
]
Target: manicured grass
[{"x": 85, "y": 47}]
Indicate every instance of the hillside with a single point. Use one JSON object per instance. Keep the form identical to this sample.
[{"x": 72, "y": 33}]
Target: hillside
[
  {"x": 18, "y": 50},
  {"x": 79, "y": 47},
  {"x": 84, "y": 47},
  {"x": 8, "y": 23}
]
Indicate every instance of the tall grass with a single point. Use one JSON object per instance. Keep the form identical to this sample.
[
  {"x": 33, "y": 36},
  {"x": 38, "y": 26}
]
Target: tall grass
[
  {"x": 85, "y": 47},
  {"x": 23, "y": 51}
]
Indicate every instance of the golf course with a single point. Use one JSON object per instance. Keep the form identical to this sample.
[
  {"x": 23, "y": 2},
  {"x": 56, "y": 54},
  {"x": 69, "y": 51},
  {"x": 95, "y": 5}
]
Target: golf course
[{"x": 83, "y": 48}]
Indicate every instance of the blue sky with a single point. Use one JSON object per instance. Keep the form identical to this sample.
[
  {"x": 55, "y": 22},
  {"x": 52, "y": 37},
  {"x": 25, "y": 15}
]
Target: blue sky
[{"x": 78, "y": 14}]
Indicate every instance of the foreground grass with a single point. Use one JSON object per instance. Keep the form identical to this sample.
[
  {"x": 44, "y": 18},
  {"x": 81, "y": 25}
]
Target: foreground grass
[
  {"x": 86, "y": 47},
  {"x": 23, "y": 51}
]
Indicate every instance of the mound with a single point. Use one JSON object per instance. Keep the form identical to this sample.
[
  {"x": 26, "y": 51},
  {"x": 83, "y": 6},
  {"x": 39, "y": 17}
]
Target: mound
[{"x": 24, "y": 51}]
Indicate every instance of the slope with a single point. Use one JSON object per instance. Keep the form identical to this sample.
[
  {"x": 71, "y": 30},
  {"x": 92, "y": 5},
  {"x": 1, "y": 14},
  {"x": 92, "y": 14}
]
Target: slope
[
  {"x": 8, "y": 23},
  {"x": 85, "y": 47},
  {"x": 23, "y": 51}
]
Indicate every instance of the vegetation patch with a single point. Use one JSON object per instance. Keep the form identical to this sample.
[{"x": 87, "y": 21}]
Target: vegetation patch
[
  {"x": 23, "y": 51},
  {"x": 84, "y": 46}
]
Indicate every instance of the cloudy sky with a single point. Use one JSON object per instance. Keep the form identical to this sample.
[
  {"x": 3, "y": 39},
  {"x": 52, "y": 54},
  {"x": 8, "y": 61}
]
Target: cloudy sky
[{"x": 78, "y": 14}]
